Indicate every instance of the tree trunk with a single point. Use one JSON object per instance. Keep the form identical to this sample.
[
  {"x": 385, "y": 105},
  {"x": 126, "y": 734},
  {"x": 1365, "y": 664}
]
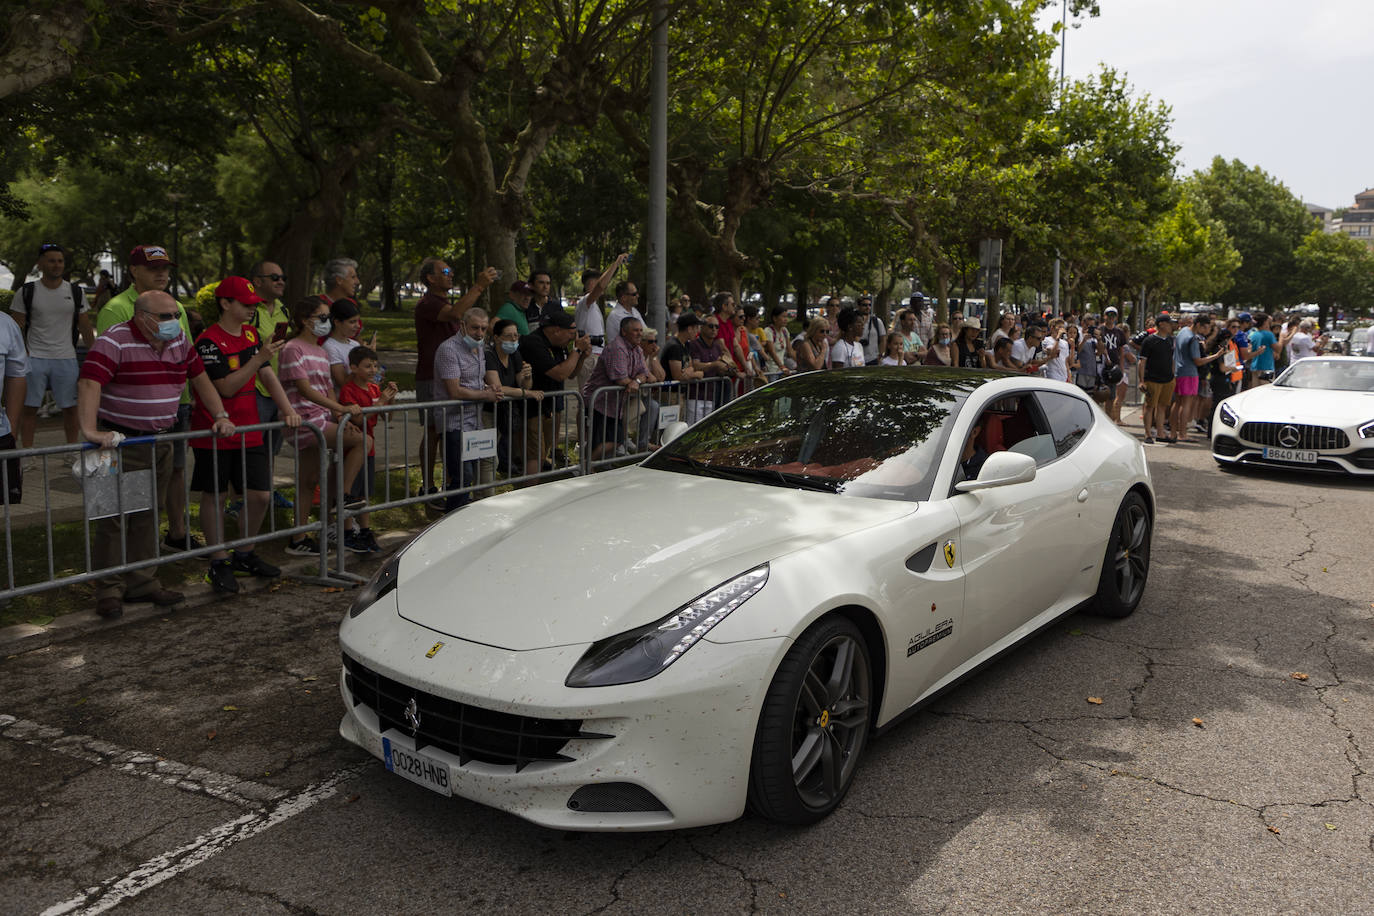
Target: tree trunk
[
  {"x": 388, "y": 283},
  {"x": 50, "y": 40}
]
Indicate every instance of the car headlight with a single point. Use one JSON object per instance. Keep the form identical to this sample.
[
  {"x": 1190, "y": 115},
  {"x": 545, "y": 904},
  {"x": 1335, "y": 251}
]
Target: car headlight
[
  {"x": 1367, "y": 431},
  {"x": 1228, "y": 416},
  {"x": 641, "y": 653},
  {"x": 382, "y": 582}
]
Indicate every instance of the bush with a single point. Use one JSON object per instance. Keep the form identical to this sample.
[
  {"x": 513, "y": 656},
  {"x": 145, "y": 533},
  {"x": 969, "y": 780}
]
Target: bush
[{"x": 206, "y": 304}]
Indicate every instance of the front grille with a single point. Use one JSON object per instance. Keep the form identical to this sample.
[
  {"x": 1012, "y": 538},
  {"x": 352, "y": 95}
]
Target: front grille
[
  {"x": 468, "y": 732},
  {"x": 614, "y": 798},
  {"x": 1226, "y": 446},
  {"x": 1321, "y": 438}
]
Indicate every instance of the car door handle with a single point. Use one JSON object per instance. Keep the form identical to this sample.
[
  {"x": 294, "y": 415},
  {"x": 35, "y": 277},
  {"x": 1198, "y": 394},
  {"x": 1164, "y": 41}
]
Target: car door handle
[{"x": 1083, "y": 495}]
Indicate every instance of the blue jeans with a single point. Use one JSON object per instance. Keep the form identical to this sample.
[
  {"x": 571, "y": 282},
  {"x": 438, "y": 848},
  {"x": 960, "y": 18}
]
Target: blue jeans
[{"x": 457, "y": 472}]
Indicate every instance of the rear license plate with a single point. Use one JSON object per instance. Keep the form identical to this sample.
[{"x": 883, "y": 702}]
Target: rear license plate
[
  {"x": 419, "y": 768},
  {"x": 1301, "y": 456}
]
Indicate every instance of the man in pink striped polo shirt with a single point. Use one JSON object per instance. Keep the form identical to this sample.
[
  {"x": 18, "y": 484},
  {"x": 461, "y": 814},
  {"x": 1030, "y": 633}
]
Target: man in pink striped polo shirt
[{"x": 130, "y": 385}]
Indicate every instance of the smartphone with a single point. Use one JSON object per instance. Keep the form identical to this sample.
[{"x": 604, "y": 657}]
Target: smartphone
[{"x": 280, "y": 331}]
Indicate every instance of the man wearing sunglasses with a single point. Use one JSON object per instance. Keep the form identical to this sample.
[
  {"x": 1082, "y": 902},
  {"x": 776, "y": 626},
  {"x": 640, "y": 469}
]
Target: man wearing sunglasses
[
  {"x": 272, "y": 321},
  {"x": 130, "y": 386},
  {"x": 436, "y": 320},
  {"x": 150, "y": 270}
]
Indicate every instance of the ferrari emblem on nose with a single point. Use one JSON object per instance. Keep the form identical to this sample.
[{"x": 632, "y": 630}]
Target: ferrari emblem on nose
[
  {"x": 432, "y": 652},
  {"x": 949, "y": 554},
  {"x": 412, "y": 714}
]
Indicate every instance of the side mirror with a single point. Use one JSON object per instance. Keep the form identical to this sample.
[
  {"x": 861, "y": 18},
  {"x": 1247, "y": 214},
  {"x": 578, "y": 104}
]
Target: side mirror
[
  {"x": 672, "y": 431},
  {"x": 1000, "y": 470}
]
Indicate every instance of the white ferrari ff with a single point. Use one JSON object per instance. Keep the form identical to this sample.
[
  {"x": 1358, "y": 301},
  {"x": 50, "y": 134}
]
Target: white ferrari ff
[
  {"x": 724, "y": 625},
  {"x": 1318, "y": 415}
]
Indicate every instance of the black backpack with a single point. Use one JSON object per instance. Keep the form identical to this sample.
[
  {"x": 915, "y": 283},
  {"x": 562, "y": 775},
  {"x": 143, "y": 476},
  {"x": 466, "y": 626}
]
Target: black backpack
[{"x": 26, "y": 292}]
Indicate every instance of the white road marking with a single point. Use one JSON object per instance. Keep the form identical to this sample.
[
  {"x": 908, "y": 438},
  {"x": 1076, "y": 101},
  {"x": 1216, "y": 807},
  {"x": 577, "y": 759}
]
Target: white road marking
[
  {"x": 242, "y": 792},
  {"x": 158, "y": 869}
]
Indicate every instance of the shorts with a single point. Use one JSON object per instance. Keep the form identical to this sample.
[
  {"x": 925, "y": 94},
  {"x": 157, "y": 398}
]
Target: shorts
[
  {"x": 606, "y": 429},
  {"x": 1185, "y": 386},
  {"x": 539, "y": 434},
  {"x": 231, "y": 467},
  {"x": 425, "y": 392},
  {"x": 13, "y": 472},
  {"x": 1159, "y": 394},
  {"x": 365, "y": 484},
  {"x": 58, "y": 374},
  {"x": 182, "y": 424}
]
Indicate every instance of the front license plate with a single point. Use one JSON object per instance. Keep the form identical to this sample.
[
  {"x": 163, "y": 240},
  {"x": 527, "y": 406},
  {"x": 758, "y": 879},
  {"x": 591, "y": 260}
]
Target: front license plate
[
  {"x": 419, "y": 768},
  {"x": 1301, "y": 456}
]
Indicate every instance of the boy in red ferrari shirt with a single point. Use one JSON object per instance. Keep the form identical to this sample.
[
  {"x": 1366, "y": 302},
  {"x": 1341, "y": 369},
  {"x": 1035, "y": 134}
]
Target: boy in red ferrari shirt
[{"x": 360, "y": 389}]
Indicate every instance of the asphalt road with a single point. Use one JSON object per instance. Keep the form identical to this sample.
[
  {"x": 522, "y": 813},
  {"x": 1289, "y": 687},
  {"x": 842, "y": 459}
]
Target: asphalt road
[{"x": 190, "y": 763}]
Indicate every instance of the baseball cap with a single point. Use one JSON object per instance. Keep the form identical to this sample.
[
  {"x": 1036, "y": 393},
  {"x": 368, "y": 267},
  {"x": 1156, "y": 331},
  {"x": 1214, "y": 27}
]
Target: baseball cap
[
  {"x": 50, "y": 246},
  {"x": 520, "y": 286},
  {"x": 1110, "y": 310},
  {"x": 237, "y": 288},
  {"x": 559, "y": 320},
  {"x": 149, "y": 256},
  {"x": 1245, "y": 316},
  {"x": 1164, "y": 316}
]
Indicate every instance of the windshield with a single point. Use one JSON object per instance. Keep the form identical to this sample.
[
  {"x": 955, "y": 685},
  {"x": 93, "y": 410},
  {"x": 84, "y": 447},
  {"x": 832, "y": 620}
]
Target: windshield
[
  {"x": 875, "y": 432},
  {"x": 1334, "y": 374}
]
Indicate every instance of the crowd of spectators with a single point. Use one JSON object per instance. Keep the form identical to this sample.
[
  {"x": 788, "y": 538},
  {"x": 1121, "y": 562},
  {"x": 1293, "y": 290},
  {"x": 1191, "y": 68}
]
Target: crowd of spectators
[{"x": 258, "y": 361}]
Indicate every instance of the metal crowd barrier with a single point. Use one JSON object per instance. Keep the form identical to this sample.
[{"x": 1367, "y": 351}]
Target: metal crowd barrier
[
  {"x": 108, "y": 489},
  {"x": 622, "y": 427},
  {"x": 503, "y": 447}
]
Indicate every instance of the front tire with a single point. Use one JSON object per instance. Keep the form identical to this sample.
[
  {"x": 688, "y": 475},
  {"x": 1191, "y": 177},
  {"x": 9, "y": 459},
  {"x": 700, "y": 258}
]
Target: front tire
[
  {"x": 1127, "y": 562},
  {"x": 814, "y": 725}
]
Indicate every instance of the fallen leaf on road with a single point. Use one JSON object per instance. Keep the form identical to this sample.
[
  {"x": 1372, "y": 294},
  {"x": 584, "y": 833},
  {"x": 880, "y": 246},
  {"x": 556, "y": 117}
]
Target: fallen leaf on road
[
  {"x": 354, "y": 797},
  {"x": 310, "y": 678},
  {"x": 1330, "y": 826},
  {"x": 210, "y": 735},
  {"x": 1197, "y": 722},
  {"x": 1075, "y": 632},
  {"x": 1096, "y": 701},
  {"x": 330, "y": 591},
  {"x": 1274, "y": 830},
  {"x": 1298, "y": 676},
  {"x": 230, "y": 708}
]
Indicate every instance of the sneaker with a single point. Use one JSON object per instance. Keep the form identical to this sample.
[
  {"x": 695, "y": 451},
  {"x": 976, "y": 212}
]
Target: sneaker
[
  {"x": 189, "y": 542},
  {"x": 221, "y": 577},
  {"x": 250, "y": 564},
  {"x": 1149, "y": 440},
  {"x": 305, "y": 547},
  {"x": 354, "y": 503},
  {"x": 280, "y": 501},
  {"x": 371, "y": 540},
  {"x": 232, "y": 510},
  {"x": 354, "y": 542},
  {"x": 436, "y": 502}
]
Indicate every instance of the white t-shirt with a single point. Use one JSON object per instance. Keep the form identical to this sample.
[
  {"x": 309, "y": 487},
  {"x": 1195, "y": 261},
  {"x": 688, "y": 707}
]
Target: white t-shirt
[
  {"x": 1021, "y": 351},
  {"x": 1300, "y": 346},
  {"x": 589, "y": 320},
  {"x": 872, "y": 337},
  {"x": 338, "y": 351},
  {"x": 619, "y": 314},
  {"x": 50, "y": 325},
  {"x": 13, "y": 363},
  {"x": 890, "y": 361},
  {"x": 1058, "y": 366},
  {"x": 843, "y": 353}
]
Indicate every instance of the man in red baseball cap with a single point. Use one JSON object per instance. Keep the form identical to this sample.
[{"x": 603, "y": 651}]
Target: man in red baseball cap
[{"x": 235, "y": 357}]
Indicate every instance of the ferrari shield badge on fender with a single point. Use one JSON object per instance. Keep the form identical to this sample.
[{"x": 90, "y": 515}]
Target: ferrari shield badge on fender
[
  {"x": 949, "y": 554},
  {"x": 435, "y": 650}
]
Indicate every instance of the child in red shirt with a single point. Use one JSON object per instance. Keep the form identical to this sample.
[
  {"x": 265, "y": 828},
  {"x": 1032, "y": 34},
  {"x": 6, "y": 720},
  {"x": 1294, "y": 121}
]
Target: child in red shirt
[{"x": 360, "y": 389}]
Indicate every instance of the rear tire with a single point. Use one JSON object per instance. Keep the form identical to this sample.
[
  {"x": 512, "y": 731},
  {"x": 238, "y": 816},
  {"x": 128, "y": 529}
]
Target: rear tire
[
  {"x": 814, "y": 725},
  {"x": 1127, "y": 562}
]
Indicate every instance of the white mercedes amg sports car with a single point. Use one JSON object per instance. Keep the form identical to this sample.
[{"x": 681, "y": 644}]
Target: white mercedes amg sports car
[
  {"x": 1317, "y": 416},
  {"x": 725, "y": 625}
]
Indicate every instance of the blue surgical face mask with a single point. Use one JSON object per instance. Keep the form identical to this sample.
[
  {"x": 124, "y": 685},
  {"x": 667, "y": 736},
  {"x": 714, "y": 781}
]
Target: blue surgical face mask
[
  {"x": 472, "y": 342},
  {"x": 510, "y": 346},
  {"x": 321, "y": 327},
  {"x": 169, "y": 329},
  {"x": 944, "y": 341}
]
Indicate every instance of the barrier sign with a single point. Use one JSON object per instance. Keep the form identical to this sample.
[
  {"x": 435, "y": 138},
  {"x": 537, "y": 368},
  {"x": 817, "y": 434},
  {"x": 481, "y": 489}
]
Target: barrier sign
[
  {"x": 479, "y": 443},
  {"x": 667, "y": 415}
]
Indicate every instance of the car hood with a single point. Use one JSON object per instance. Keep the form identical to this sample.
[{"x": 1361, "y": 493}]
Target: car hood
[
  {"x": 573, "y": 562},
  {"x": 1272, "y": 403}
]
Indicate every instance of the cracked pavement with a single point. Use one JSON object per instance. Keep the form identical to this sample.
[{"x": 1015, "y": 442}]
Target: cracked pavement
[{"x": 133, "y": 744}]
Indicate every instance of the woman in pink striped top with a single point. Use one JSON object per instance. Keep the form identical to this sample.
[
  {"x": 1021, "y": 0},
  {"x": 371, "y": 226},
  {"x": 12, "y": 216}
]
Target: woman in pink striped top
[{"x": 304, "y": 371}]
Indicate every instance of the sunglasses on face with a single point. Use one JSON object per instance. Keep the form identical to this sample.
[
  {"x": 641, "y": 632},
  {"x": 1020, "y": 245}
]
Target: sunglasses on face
[
  {"x": 275, "y": 278},
  {"x": 163, "y": 316},
  {"x": 712, "y": 326},
  {"x": 447, "y": 271}
]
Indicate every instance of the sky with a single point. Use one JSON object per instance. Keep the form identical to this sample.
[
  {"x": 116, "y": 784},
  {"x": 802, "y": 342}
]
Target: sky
[{"x": 1279, "y": 85}]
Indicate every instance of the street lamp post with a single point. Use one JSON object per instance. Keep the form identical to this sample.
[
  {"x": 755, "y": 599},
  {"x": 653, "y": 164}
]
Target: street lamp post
[{"x": 1063, "y": 47}]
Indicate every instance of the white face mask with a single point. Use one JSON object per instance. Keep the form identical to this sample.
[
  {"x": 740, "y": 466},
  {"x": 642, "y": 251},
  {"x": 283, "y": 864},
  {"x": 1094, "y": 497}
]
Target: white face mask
[{"x": 321, "y": 327}]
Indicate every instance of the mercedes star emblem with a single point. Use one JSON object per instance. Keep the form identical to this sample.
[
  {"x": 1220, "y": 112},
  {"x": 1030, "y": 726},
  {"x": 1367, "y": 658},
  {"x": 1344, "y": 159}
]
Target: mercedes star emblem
[
  {"x": 1289, "y": 437},
  {"x": 412, "y": 715}
]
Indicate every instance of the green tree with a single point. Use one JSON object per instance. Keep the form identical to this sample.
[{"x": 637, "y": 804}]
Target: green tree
[
  {"x": 1266, "y": 224},
  {"x": 1333, "y": 269}
]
